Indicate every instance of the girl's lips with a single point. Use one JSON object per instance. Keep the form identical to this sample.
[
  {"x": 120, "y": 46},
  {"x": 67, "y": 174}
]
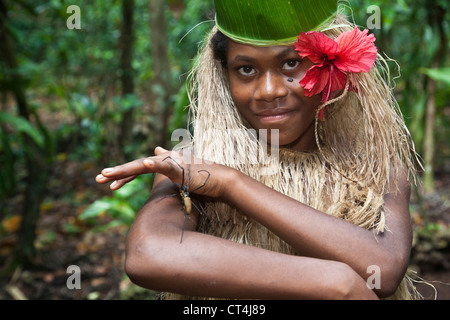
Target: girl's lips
[{"x": 274, "y": 115}]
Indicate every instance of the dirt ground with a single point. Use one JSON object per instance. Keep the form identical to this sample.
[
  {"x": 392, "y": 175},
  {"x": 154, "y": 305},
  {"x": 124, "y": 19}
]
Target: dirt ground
[
  {"x": 430, "y": 256},
  {"x": 64, "y": 240}
]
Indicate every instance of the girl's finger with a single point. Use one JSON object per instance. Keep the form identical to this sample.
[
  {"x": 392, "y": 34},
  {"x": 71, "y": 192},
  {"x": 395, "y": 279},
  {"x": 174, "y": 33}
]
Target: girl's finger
[
  {"x": 160, "y": 150},
  {"x": 120, "y": 183},
  {"x": 133, "y": 168},
  {"x": 102, "y": 179}
]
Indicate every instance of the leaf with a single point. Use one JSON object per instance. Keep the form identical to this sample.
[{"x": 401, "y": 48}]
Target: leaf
[
  {"x": 126, "y": 191},
  {"x": 12, "y": 224},
  {"x": 82, "y": 105},
  {"x": 95, "y": 209},
  {"x": 15, "y": 292},
  {"x": 22, "y": 125},
  {"x": 126, "y": 213},
  {"x": 70, "y": 228},
  {"x": 110, "y": 225},
  {"x": 128, "y": 102},
  {"x": 440, "y": 75},
  {"x": 268, "y": 22}
]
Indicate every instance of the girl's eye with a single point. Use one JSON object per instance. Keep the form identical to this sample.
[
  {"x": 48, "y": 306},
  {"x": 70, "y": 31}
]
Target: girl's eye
[
  {"x": 246, "y": 71},
  {"x": 291, "y": 64}
]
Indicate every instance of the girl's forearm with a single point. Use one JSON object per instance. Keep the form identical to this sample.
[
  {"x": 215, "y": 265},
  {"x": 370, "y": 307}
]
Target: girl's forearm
[
  {"x": 206, "y": 266},
  {"x": 313, "y": 233}
]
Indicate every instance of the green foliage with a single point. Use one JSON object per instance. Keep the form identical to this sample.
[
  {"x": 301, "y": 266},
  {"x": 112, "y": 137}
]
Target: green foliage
[
  {"x": 410, "y": 34},
  {"x": 122, "y": 206},
  {"x": 13, "y": 130},
  {"x": 127, "y": 102},
  {"x": 21, "y": 125},
  {"x": 440, "y": 75}
]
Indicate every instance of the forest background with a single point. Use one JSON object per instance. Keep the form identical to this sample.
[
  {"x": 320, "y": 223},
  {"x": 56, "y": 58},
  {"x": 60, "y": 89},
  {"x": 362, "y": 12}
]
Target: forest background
[{"x": 81, "y": 90}]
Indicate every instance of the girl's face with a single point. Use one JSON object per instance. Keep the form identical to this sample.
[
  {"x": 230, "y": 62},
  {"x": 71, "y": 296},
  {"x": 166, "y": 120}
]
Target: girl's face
[{"x": 266, "y": 98}]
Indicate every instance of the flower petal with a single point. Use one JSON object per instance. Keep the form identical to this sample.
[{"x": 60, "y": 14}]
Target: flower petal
[
  {"x": 356, "y": 51},
  {"x": 338, "y": 79},
  {"x": 315, "y": 80},
  {"x": 316, "y": 46}
]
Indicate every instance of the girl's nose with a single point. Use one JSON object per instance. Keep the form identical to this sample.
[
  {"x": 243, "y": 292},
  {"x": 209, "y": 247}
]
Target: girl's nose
[{"x": 270, "y": 87}]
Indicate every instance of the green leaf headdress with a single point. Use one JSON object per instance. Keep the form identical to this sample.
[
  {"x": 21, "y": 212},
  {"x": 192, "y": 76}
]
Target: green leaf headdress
[{"x": 271, "y": 22}]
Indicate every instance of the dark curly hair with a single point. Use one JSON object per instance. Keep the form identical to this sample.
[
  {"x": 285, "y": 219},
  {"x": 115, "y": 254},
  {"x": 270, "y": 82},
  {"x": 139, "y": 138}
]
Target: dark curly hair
[{"x": 219, "y": 44}]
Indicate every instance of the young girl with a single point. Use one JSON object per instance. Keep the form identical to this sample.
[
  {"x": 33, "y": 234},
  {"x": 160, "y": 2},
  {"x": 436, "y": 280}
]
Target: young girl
[{"x": 326, "y": 215}]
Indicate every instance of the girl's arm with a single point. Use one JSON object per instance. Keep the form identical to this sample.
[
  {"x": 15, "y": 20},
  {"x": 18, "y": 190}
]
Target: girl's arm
[
  {"x": 315, "y": 234},
  {"x": 312, "y": 233},
  {"x": 207, "y": 266}
]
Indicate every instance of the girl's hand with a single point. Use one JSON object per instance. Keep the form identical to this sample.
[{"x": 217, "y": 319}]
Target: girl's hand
[{"x": 203, "y": 178}]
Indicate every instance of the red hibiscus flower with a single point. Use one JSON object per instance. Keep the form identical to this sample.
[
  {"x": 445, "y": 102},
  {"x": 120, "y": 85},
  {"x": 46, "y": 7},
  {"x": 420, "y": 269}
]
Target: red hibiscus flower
[{"x": 352, "y": 51}]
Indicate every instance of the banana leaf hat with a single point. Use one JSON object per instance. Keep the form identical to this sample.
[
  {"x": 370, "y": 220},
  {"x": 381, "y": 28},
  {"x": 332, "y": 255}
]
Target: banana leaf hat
[{"x": 271, "y": 22}]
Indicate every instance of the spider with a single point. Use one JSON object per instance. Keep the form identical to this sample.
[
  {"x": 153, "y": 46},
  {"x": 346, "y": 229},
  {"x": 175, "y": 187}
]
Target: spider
[{"x": 184, "y": 192}]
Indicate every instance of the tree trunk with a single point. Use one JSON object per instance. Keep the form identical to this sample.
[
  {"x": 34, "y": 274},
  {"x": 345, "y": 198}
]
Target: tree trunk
[
  {"x": 437, "y": 14},
  {"x": 428, "y": 141},
  {"x": 127, "y": 80},
  {"x": 35, "y": 161},
  {"x": 161, "y": 84}
]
